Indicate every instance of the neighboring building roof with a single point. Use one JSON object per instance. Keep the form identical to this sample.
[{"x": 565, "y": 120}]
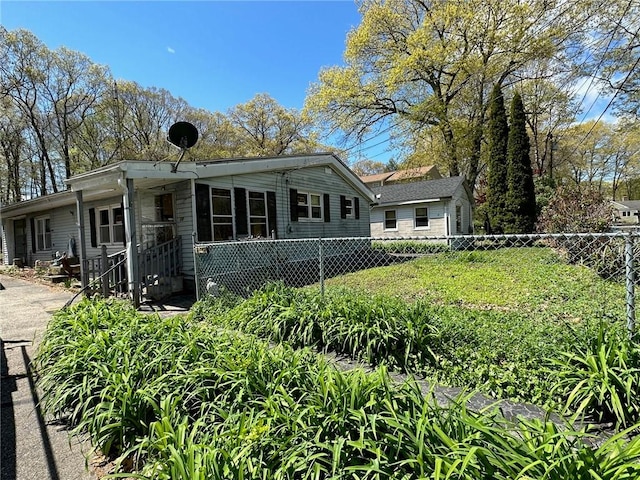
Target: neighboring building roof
[
  {"x": 627, "y": 204},
  {"x": 416, "y": 191},
  {"x": 417, "y": 173},
  {"x": 378, "y": 177}
]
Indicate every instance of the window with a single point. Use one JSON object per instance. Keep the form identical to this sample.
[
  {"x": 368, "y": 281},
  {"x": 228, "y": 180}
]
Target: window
[
  {"x": 348, "y": 207},
  {"x": 258, "y": 215},
  {"x": 390, "y": 221},
  {"x": 309, "y": 206},
  {"x": 111, "y": 225},
  {"x": 222, "y": 214},
  {"x": 421, "y": 217},
  {"x": 458, "y": 219},
  {"x": 164, "y": 207},
  {"x": 160, "y": 228},
  {"x": 43, "y": 233}
]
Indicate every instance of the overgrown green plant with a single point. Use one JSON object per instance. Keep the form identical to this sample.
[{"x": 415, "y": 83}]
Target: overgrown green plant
[
  {"x": 499, "y": 353},
  {"x": 602, "y": 380},
  {"x": 186, "y": 399}
]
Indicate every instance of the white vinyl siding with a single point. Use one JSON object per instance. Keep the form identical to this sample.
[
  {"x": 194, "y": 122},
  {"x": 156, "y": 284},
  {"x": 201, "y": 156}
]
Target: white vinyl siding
[
  {"x": 304, "y": 180},
  {"x": 406, "y": 220}
]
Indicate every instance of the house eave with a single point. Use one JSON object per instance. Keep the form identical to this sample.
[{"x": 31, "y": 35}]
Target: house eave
[{"x": 411, "y": 202}]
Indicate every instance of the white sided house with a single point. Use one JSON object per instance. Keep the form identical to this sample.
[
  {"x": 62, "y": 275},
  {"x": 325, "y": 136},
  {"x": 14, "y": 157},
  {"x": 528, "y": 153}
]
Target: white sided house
[
  {"x": 430, "y": 208},
  {"x": 151, "y": 214},
  {"x": 626, "y": 212}
]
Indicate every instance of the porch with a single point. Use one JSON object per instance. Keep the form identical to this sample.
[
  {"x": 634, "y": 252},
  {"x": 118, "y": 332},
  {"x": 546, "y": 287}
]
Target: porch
[{"x": 158, "y": 272}]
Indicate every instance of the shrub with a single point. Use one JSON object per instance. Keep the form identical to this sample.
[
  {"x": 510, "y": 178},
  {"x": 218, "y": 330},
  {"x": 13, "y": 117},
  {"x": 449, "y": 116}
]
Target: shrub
[{"x": 575, "y": 209}]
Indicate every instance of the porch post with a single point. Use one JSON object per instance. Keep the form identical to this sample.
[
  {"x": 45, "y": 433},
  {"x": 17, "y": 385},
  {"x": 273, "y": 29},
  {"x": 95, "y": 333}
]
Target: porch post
[
  {"x": 132, "y": 244},
  {"x": 84, "y": 274}
]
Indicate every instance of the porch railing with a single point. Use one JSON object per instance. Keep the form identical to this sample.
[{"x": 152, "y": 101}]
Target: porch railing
[
  {"x": 158, "y": 266},
  {"x": 115, "y": 282}
]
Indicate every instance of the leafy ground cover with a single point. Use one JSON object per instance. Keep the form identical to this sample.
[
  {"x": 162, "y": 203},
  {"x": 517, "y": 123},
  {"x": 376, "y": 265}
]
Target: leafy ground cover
[
  {"x": 524, "y": 280},
  {"x": 182, "y": 398}
]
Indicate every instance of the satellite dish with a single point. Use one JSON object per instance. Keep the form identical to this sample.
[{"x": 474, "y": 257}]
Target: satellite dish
[{"x": 183, "y": 135}]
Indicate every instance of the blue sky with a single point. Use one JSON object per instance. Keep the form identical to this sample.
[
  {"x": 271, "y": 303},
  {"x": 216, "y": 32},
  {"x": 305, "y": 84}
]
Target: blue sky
[{"x": 214, "y": 54}]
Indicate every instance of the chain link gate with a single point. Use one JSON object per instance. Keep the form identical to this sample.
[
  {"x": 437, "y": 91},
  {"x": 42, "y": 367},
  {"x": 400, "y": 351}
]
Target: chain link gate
[{"x": 244, "y": 266}]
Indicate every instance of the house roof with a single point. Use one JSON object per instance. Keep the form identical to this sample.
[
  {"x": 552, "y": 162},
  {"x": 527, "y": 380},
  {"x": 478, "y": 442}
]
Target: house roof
[
  {"x": 108, "y": 181},
  {"x": 627, "y": 204},
  {"x": 417, "y": 191}
]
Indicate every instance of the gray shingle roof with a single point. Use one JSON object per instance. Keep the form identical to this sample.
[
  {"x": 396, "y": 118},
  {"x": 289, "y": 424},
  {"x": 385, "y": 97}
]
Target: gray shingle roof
[
  {"x": 630, "y": 204},
  {"x": 425, "y": 190}
]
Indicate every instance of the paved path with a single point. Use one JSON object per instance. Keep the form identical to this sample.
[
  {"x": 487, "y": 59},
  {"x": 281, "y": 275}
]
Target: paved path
[{"x": 31, "y": 448}]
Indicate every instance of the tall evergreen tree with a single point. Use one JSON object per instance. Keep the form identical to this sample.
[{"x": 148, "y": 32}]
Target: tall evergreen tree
[
  {"x": 521, "y": 197},
  {"x": 497, "y": 134}
]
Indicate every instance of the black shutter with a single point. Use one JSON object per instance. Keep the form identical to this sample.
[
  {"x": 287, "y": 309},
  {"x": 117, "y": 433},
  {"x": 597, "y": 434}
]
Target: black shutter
[
  {"x": 293, "y": 204},
  {"x": 33, "y": 235},
  {"x": 240, "y": 195},
  {"x": 327, "y": 212},
  {"x": 356, "y": 206},
  {"x": 272, "y": 216},
  {"x": 203, "y": 213},
  {"x": 92, "y": 227},
  {"x": 343, "y": 206}
]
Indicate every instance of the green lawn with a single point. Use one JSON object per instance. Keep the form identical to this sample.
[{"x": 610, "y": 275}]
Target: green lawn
[{"x": 532, "y": 281}]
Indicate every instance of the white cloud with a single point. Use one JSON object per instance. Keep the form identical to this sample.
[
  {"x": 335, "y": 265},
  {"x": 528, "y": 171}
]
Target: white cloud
[{"x": 170, "y": 50}]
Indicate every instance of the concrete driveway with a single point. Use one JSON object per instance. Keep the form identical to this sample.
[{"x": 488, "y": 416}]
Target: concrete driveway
[{"x": 31, "y": 447}]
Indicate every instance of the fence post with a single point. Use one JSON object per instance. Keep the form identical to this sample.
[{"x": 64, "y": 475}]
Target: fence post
[
  {"x": 104, "y": 266},
  {"x": 630, "y": 283},
  {"x": 321, "y": 261},
  {"x": 196, "y": 264}
]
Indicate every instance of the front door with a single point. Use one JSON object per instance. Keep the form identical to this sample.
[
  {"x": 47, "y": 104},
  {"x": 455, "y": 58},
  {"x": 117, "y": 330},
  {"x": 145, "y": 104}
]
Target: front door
[{"x": 20, "y": 236}]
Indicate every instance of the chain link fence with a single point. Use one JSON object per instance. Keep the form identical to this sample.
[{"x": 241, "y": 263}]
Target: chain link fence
[{"x": 242, "y": 267}]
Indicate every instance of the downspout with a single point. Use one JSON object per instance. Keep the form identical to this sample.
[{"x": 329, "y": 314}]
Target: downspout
[{"x": 130, "y": 231}]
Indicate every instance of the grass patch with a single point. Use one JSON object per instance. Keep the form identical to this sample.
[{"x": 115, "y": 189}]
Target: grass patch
[{"x": 532, "y": 281}]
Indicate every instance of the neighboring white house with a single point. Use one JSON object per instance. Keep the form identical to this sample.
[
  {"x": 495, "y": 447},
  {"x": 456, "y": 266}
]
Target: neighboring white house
[
  {"x": 434, "y": 208},
  {"x": 134, "y": 206},
  {"x": 627, "y": 212}
]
